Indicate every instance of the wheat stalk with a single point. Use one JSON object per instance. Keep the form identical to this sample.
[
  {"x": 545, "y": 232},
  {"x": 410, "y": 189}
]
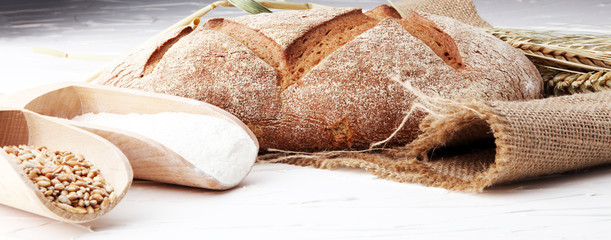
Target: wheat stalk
[
  {"x": 582, "y": 53},
  {"x": 562, "y": 82},
  {"x": 250, "y": 6},
  {"x": 568, "y": 63},
  {"x": 57, "y": 53}
]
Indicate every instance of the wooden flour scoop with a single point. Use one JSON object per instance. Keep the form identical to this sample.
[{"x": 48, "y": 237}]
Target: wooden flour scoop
[
  {"x": 149, "y": 159},
  {"x": 22, "y": 127}
]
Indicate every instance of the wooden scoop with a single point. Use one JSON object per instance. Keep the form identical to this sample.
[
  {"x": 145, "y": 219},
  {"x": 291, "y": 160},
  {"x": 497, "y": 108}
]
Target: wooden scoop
[
  {"x": 22, "y": 127},
  {"x": 149, "y": 159}
]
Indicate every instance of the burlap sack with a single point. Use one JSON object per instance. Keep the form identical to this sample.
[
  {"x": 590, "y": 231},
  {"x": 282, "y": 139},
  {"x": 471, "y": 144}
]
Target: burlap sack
[
  {"x": 461, "y": 10},
  {"x": 474, "y": 144}
]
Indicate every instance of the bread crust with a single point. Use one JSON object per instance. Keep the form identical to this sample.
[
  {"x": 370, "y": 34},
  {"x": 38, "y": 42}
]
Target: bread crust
[{"x": 343, "y": 90}]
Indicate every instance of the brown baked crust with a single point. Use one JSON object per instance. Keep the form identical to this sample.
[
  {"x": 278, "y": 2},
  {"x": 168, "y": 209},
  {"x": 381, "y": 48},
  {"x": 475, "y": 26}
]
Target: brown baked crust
[
  {"x": 133, "y": 66},
  {"x": 328, "y": 78},
  {"x": 430, "y": 34}
]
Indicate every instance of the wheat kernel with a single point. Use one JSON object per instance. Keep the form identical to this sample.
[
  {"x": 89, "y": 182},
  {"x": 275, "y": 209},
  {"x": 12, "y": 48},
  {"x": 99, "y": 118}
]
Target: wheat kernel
[{"x": 67, "y": 180}]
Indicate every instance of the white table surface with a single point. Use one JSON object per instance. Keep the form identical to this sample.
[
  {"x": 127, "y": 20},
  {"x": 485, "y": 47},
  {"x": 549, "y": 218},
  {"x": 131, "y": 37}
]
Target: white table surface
[{"x": 282, "y": 201}]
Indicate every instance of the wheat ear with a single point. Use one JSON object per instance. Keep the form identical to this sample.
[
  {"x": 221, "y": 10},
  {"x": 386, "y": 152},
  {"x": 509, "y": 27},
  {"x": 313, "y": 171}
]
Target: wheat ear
[
  {"x": 568, "y": 63},
  {"x": 583, "y": 53},
  {"x": 561, "y": 82}
]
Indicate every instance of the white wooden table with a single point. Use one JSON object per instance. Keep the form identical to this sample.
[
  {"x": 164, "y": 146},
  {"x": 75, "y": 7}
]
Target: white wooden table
[{"x": 283, "y": 201}]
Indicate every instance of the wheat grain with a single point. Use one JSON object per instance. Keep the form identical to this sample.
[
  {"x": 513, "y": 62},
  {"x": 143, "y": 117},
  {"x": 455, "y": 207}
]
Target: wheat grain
[{"x": 52, "y": 173}]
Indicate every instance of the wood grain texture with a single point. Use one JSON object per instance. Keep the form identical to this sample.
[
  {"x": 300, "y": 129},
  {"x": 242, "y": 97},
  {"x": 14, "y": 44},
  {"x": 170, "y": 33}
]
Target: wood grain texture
[{"x": 149, "y": 159}]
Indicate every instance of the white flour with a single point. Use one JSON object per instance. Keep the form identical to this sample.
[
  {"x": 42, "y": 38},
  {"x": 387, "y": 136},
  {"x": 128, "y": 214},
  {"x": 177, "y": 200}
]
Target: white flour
[{"x": 215, "y": 146}]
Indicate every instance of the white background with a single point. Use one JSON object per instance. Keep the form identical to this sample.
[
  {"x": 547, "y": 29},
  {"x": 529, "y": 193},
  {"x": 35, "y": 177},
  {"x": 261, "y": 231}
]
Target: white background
[{"x": 289, "y": 202}]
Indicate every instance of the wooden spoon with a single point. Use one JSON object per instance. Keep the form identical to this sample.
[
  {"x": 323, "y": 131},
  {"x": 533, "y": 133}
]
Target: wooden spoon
[
  {"x": 22, "y": 127},
  {"x": 149, "y": 159}
]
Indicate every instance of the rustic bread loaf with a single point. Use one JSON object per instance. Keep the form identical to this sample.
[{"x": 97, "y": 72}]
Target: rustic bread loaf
[{"x": 327, "y": 78}]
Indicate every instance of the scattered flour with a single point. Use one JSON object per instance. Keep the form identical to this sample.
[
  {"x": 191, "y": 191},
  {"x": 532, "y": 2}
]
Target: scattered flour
[{"x": 217, "y": 147}]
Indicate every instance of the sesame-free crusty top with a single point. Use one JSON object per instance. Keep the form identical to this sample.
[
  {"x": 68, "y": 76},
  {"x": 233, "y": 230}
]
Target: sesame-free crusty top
[{"x": 327, "y": 78}]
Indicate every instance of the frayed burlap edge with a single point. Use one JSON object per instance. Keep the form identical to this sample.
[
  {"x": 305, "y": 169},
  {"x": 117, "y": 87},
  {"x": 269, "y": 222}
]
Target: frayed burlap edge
[
  {"x": 517, "y": 151},
  {"x": 447, "y": 128},
  {"x": 405, "y": 163},
  {"x": 391, "y": 164}
]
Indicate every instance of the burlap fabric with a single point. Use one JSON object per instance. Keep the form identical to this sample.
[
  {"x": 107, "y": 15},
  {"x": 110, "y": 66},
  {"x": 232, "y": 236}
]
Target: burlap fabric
[
  {"x": 461, "y": 10},
  {"x": 470, "y": 145}
]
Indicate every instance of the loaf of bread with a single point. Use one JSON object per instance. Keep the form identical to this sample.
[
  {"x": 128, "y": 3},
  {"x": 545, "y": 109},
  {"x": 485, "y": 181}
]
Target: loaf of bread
[{"x": 327, "y": 78}]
